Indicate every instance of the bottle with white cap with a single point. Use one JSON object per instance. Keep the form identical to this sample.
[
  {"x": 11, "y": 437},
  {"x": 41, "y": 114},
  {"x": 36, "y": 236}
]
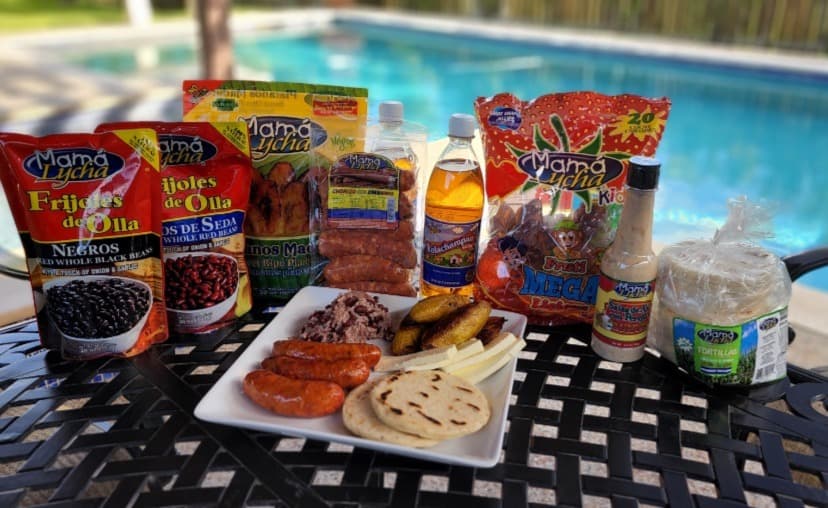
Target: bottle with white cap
[
  {"x": 405, "y": 143},
  {"x": 454, "y": 203},
  {"x": 391, "y": 136}
]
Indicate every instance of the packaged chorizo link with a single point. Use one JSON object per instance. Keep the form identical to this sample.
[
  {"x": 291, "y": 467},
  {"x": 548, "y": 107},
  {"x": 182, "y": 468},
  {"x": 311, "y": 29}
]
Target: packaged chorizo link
[
  {"x": 281, "y": 117},
  {"x": 367, "y": 213},
  {"x": 205, "y": 185},
  {"x": 555, "y": 168},
  {"x": 87, "y": 209}
]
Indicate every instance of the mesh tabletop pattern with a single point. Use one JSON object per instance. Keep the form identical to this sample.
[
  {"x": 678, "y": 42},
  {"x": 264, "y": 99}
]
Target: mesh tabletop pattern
[{"x": 581, "y": 431}]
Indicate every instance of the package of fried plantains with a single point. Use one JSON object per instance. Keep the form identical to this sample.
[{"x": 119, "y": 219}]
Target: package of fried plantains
[{"x": 285, "y": 122}]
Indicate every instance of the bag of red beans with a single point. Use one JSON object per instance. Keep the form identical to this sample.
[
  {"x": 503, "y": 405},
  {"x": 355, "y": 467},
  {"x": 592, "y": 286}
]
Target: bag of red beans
[
  {"x": 86, "y": 207},
  {"x": 205, "y": 184}
]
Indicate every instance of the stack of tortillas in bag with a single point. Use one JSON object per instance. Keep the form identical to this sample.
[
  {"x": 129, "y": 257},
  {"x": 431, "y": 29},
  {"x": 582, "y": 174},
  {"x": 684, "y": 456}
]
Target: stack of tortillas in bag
[
  {"x": 416, "y": 408},
  {"x": 721, "y": 284}
]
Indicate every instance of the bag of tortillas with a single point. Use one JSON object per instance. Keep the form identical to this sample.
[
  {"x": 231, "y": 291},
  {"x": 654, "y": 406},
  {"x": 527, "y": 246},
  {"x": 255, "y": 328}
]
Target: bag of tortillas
[{"x": 721, "y": 306}]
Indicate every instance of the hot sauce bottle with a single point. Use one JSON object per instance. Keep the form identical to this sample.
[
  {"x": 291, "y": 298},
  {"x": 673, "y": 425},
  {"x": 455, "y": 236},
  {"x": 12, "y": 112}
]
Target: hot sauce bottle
[
  {"x": 628, "y": 271},
  {"x": 453, "y": 212}
]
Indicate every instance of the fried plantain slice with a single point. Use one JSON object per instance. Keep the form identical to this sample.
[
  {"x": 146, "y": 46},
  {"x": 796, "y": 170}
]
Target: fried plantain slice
[
  {"x": 491, "y": 329},
  {"x": 407, "y": 337},
  {"x": 459, "y": 326},
  {"x": 433, "y": 308}
]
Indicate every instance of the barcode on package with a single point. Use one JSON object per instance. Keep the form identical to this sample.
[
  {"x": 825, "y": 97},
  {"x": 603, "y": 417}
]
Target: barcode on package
[{"x": 766, "y": 372}]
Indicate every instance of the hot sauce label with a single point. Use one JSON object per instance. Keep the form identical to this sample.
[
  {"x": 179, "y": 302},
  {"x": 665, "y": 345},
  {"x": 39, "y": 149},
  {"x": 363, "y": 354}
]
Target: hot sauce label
[
  {"x": 622, "y": 311},
  {"x": 88, "y": 212},
  {"x": 205, "y": 181}
]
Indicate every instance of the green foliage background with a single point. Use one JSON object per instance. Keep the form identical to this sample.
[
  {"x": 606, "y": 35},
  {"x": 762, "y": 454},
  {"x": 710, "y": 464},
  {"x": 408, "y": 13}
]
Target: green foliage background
[{"x": 25, "y": 15}]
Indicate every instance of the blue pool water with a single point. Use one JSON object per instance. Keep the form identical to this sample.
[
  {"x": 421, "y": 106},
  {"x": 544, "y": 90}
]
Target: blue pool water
[{"x": 731, "y": 131}]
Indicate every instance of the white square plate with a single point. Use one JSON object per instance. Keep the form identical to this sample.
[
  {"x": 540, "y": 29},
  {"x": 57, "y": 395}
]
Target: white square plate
[{"x": 227, "y": 404}]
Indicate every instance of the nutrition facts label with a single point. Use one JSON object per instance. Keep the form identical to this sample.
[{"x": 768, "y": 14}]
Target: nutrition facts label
[{"x": 772, "y": 331}]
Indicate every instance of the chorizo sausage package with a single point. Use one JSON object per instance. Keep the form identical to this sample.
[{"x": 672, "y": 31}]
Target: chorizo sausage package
[
  {"x": 367, "y": 214},
  {"x": 280, "y": 117},
  {"x": 555, "y": 169},
  {"x": 205, "y": 185},
  {"x": 88, "y": 212}
]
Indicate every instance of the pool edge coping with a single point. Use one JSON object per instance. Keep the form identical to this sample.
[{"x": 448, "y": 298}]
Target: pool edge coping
[
  {"x": 681, "y": 50},
  {"x": 674, "y": 49}
]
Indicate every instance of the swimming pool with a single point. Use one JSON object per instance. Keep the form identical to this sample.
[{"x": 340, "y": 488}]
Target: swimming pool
[{"x": 731, "y": 131}]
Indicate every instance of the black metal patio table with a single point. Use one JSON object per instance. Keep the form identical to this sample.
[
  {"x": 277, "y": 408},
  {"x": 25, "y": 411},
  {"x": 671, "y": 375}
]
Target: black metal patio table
[{"x": 581, "y": 431}]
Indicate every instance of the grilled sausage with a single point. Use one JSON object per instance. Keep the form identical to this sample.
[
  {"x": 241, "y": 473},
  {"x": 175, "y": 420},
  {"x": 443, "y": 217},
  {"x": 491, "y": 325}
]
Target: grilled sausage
[
  {"x": 337, "y": 243},
  {"x": 406, "y": 207},
  {"x": 407, "y": 180},
  {"x": 293, "y": 397},
  {"x": 346, "y": 373},
  {"x": 309, "y": 350}
]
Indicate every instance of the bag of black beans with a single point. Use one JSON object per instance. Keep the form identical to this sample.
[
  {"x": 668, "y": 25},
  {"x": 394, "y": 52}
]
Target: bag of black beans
[{"x": 88, "y": 212}]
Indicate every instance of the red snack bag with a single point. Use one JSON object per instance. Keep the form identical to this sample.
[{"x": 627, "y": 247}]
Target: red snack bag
[
  {"x": 205, "y": 184},
  {"x": 555, "y": 170},
  {"x": 87, "y": 209}
]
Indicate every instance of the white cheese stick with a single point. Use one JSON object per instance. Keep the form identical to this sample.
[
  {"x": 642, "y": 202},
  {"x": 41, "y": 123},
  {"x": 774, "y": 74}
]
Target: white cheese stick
[
  {"x": 464, "y": 350},
  {"x": 493, "y": 349},
  {"x": 479, "y": 371},
  {"x": 392, "y": 363}
]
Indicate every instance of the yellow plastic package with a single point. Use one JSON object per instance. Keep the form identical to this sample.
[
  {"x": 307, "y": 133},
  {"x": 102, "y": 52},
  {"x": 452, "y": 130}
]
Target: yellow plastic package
[{"x": 285, "y": 122}]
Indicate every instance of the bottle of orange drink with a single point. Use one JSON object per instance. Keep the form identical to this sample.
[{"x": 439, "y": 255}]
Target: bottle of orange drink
[{"x": 453, "y": 212}]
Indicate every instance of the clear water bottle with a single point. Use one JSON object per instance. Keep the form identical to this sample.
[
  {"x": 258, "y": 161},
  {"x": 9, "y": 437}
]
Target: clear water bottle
[
  {"x": 405, "y": 144},
  {"x": 390, "y": 137},
  {"x": 454, "y": 203}
]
